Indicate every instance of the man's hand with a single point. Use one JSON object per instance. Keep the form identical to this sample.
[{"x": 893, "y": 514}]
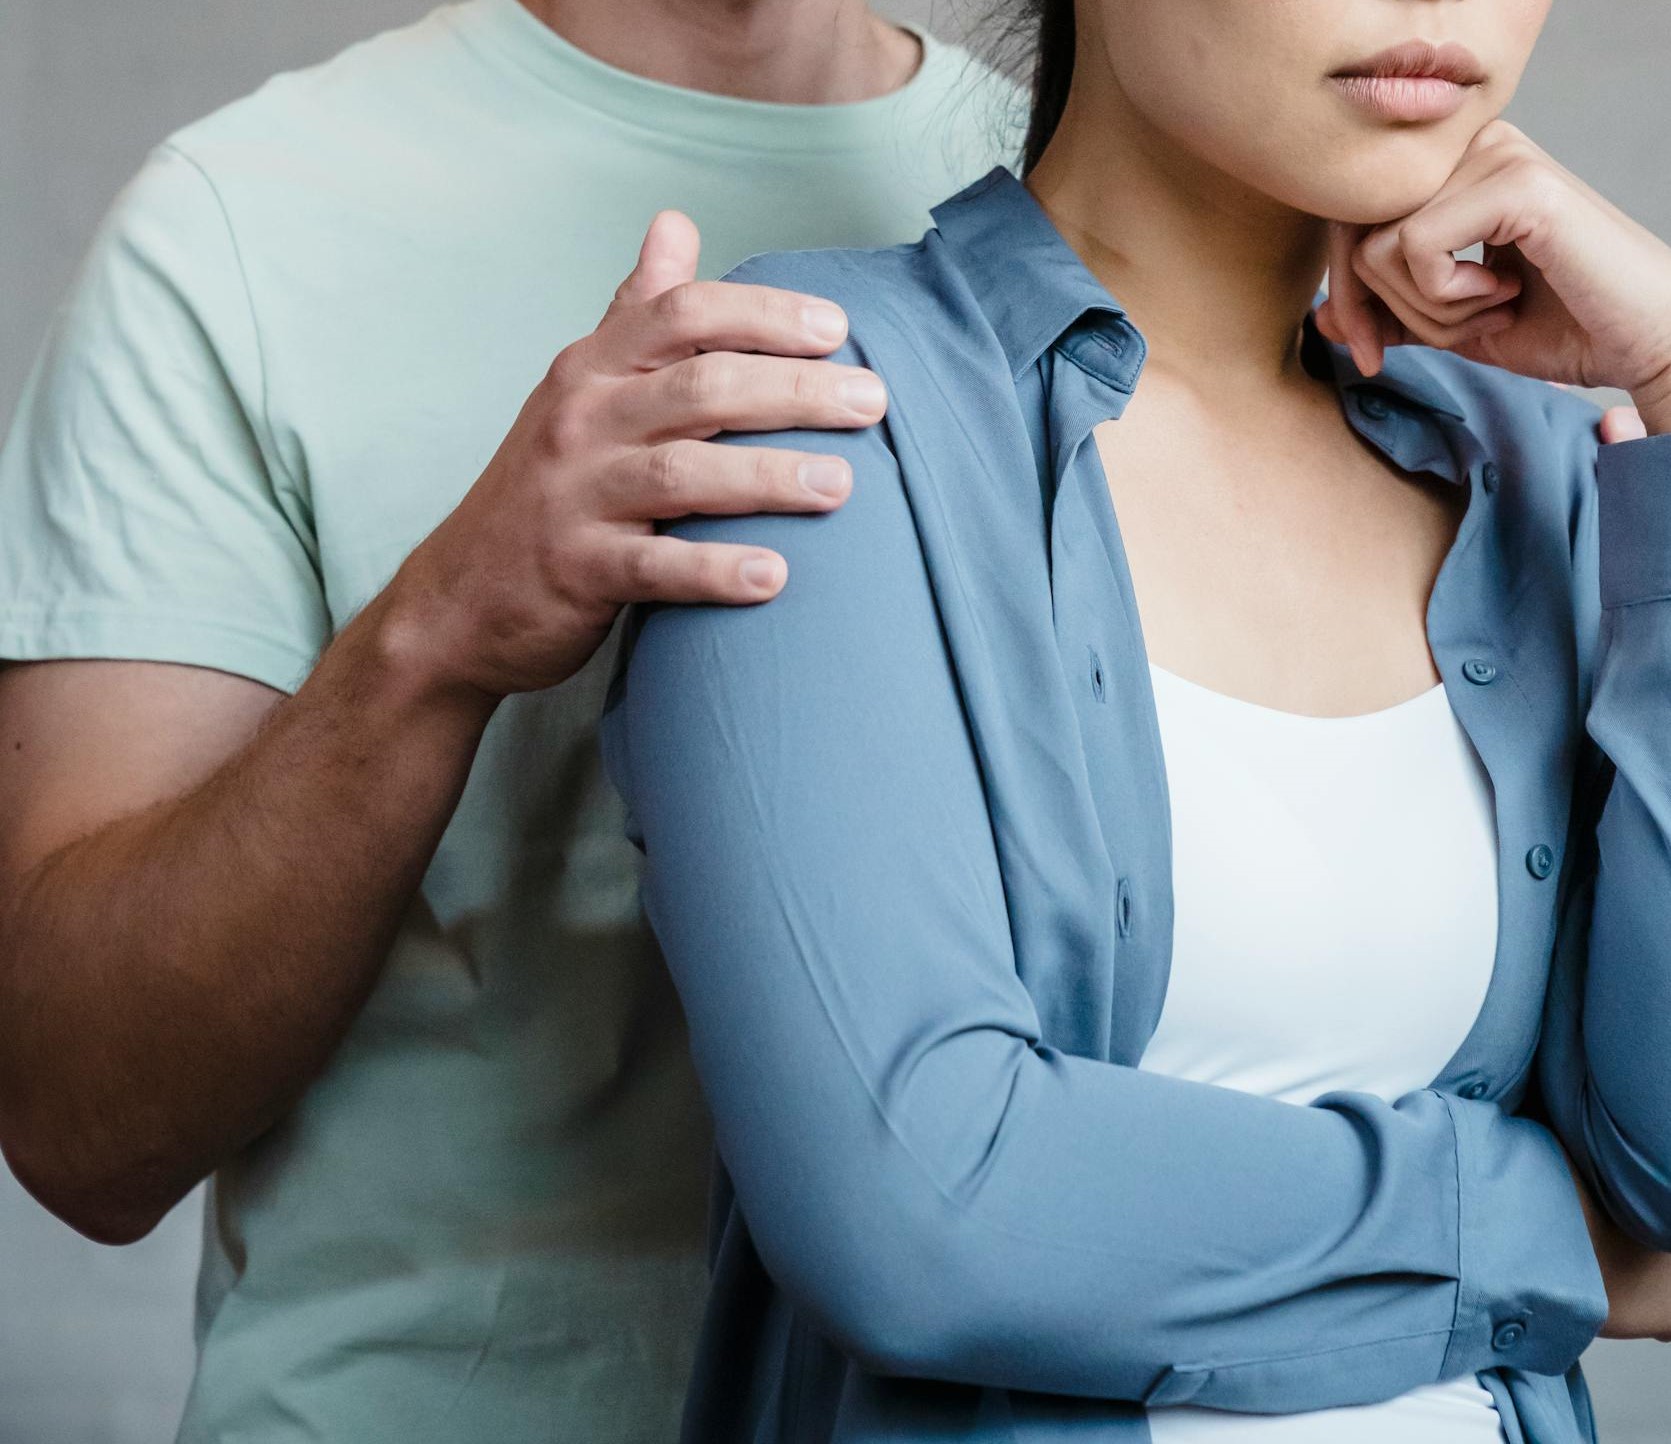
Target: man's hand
[{"x": 521, "y": 583}]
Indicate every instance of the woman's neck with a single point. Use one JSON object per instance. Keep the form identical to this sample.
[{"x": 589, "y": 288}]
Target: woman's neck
[{"x": 1217, "y": 276}]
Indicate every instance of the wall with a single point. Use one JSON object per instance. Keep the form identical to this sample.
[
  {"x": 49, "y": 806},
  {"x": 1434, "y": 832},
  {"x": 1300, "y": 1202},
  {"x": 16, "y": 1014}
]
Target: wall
[{"x": 94, "y": 1343}]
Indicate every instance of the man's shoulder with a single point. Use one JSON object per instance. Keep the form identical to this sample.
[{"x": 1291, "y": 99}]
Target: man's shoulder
[{"x": 345, "y": 114}]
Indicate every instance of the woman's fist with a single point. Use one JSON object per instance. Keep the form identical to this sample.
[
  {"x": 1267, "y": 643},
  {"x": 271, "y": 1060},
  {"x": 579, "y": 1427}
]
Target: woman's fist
[{"x": 1571, "y": 289}]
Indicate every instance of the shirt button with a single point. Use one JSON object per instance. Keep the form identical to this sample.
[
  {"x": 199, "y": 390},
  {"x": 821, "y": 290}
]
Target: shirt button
[
  {"x": 1508, "y": 1335},
  {"x": 1491, "y": 474},
  {"x": 1477, "y": 1089},
  {"x": 1540, "y": 861},
  {"x": 1479, "y": 671},
  {"x": 1124, "y": 908},
  {"x": 1098, "y": 688},
  {"x": 1373, "y": 406}
]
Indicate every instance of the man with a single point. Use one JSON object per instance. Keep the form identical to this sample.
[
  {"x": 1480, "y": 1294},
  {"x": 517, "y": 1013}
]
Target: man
[{"x": 309, "y": 878}]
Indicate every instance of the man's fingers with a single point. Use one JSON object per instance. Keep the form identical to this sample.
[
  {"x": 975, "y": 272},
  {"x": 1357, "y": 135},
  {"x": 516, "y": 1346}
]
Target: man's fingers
[
  {"x": 696, "y": 316},
  {"x": 670, "y": 569},
  {"x": 667, "y": 256},
  {"x": 1622, "y": 423},
  {"x": 687, "y": 477},
  {"x": 728, "y": 391}
]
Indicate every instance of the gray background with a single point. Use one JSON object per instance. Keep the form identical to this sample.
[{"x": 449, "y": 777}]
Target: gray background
[{"x": 95, "y": 1343}]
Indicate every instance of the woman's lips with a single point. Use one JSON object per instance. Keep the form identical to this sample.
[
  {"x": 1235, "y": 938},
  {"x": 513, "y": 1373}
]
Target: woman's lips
[{"x": 1413, "y": 82}]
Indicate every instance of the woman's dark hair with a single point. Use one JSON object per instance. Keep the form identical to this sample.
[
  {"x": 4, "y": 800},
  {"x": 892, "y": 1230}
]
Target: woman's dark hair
[{"x": 1035, "y": 38}]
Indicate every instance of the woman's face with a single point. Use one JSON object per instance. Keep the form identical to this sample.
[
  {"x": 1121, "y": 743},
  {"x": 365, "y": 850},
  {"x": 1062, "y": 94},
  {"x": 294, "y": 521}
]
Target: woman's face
[{"x": 1301, "y": 99}]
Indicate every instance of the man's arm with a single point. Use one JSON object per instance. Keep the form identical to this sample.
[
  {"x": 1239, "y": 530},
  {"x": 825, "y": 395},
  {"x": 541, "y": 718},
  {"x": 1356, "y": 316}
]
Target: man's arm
[
  {"x": 189, "y": 921},
  {"x": 199, "y": 877}
]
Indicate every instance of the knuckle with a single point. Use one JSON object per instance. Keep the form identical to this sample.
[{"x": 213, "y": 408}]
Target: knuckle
[
  {"x": 682, "y": 307},
  {"x": 1540, "y": 181},
  {"x": 669, "y": 467},
  {"x": 571, "y": 370},
  {"x": 704, "y": 379},
  {"x": 566, "y": 429},
  {"x": 1499, "y": 132},
  {"x": 569, "y": 574},
  {"x": 777, "y": 475},
  {"x": 559, "y": 374},
  {"x": 711, "y": 572},
  {"x": 785, "y": 309},
  {"x": 642, "y": 570},
  {"x": 812, "y": 385}
]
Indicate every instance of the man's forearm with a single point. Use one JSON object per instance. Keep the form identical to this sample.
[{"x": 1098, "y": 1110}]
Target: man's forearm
[{"x": 174, "y": 979}]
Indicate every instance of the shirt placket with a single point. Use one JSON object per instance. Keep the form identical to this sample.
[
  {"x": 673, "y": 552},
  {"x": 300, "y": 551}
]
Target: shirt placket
[{"x": 1099, "y": 638}]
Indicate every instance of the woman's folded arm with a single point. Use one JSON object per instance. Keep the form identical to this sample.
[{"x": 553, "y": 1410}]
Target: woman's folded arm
[
  {"x": 941, "y": 1191},
  {"x": 1606, "y": 1062}
]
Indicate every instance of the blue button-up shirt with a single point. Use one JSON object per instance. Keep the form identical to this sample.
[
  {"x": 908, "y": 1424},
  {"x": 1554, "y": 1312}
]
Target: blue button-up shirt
[{"x": 908, "y": 854}]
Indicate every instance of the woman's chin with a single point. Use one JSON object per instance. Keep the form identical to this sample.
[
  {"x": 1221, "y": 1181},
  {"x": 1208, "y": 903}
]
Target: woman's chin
[
  {"x": 1378, "y": 188},
  {"x": 1370, "y": 206}
]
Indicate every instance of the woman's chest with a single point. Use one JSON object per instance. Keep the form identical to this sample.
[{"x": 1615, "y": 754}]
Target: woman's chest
[
  {"x": 1092, "y": 809},
  {"x": 1289, "y": 569}
]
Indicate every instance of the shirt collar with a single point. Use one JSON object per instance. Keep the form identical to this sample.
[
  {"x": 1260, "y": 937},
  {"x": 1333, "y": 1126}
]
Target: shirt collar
[{"x": 1033, "y": 288}]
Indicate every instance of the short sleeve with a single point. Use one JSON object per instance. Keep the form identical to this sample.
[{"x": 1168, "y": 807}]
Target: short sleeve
[{"x": 143, "y": 512}]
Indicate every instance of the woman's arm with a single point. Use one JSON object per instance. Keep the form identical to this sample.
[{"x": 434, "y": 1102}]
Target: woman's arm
[
  {"x": 1573, "y": 290},
  {"x": 1606, "y": 1055},
  {"x": 1638, "y": 1279},
  {"x": 941, "y": 1191}
]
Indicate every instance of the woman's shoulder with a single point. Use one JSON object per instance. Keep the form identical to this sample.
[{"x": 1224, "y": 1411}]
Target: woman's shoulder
[
  {"x": 905, "y": 300},
  {"x": 850, "y": 269},
  {"x": 1546, "y": 433}
]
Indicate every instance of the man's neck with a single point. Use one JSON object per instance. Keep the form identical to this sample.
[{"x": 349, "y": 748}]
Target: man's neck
[{"x": 793, "y": 52}]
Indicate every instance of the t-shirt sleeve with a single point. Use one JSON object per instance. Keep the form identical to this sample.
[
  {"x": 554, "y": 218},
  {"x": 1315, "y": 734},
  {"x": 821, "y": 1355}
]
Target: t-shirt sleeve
[{"x": 144, "y": 511}]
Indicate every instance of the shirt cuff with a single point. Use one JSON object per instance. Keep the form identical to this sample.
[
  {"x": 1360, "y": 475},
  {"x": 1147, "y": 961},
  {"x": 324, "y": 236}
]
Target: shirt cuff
[
  {"x": 1633, "y": 480},
  {"x": 1530, "y": 1293}
]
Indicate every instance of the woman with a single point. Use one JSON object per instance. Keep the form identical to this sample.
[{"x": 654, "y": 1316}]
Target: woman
[{"x": 1123, "y": 1031}]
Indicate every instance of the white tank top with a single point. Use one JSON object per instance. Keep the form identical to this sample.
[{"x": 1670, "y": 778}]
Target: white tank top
[{"x": 1335, "y": 889}]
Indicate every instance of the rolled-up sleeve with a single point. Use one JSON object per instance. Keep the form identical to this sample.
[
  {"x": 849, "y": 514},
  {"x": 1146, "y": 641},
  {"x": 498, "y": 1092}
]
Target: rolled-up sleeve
[{"x": 941, "y": 1191}]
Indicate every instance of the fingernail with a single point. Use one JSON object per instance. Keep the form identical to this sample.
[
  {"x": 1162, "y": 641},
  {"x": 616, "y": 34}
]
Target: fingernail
[
  {"x": 824, "y": 323},
  {"x": 758, "y": 572},
  {"x": 825, "y": 476},
  {"x": 862, "y": 394}
]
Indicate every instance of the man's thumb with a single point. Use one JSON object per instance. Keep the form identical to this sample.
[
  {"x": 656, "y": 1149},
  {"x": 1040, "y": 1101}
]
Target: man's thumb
[{"x": 666, "y": 259}]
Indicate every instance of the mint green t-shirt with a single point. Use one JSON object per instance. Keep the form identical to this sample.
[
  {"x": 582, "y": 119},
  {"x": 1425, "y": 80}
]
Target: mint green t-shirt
[{"x": 300, "y": 334}]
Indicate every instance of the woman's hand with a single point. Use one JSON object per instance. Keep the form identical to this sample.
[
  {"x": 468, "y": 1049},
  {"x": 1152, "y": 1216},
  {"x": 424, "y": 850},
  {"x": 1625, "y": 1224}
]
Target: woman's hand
[
  {"x": 1571, "y": 289},
  {"x": 1638, "y": 1279}
]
